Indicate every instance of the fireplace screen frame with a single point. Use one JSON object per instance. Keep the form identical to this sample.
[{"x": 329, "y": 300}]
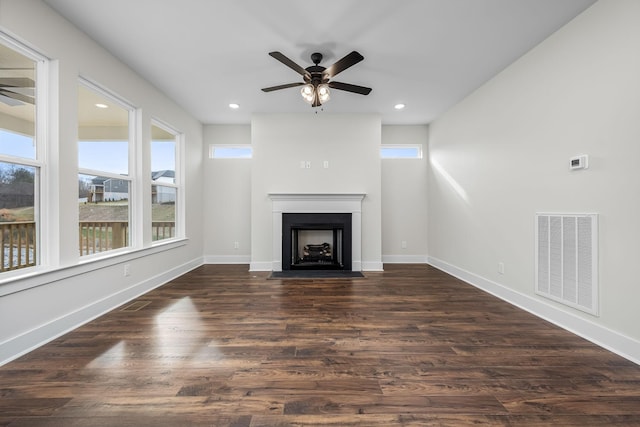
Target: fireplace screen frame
[{"x": 339, "y": 223}]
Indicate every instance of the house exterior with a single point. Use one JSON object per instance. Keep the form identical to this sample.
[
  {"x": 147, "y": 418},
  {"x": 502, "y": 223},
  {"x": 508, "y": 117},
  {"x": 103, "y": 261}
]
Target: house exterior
[
  {"x": 108, "y": 190},
  {"x": 163, "y": 194}
]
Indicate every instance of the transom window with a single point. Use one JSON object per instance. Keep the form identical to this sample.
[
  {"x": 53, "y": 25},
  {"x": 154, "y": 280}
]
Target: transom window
[
  {"x": 393, "y": 151},
  {"x": 225, "y": 151}
]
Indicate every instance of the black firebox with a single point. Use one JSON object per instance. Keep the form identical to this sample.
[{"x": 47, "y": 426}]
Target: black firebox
[{"x": 316, "y": 241}]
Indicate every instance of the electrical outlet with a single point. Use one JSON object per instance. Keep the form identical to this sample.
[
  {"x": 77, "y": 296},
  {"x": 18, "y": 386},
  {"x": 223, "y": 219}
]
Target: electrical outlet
[
  {"x": 236, "y": 245},
  {"x": 127, "y": 270},
  {"x": 501, "y": 267},
  {"x": 403, "y": 244}
]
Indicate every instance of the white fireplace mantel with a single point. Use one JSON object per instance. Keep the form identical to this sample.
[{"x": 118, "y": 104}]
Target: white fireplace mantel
[{"x": 318, "y": 203}]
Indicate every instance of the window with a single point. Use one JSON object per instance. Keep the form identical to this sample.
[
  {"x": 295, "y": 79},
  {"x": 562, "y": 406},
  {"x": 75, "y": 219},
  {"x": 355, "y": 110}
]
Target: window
[
  {"x": 392, "y": 151},
  {"x": 21, "y": 162},
  {"x": 164, "y": 182},
  {"x": 230, "y": 151},
  {"x": 104, "y": 180}
]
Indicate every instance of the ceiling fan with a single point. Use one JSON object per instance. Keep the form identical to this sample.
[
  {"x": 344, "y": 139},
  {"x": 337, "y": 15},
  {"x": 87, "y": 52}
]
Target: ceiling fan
[
  {"x": 317, "y": 79},
  {"x": 16, "y": 90}
]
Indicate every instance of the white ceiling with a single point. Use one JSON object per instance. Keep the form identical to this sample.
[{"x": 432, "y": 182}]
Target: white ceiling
[{"x": 427, "y": 54}]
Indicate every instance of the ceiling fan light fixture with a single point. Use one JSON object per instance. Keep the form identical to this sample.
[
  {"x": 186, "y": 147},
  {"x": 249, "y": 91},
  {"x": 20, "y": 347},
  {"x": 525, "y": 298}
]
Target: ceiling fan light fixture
[
  {"x": 323, "y": 92},
  {"x": 308, "y": 93}
]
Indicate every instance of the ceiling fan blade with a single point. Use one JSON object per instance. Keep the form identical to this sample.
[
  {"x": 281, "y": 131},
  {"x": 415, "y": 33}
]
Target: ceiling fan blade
[
  {"x": 351, "y": 59},
  {"x": 9, "y": 101},
  {"x": 350, "y": 88},
  {"x": 16, "y": 82},
  {"x": 18, "y": 96},
  {"x": 289, "y": 63},
  {"x": 288, "y": 85}
]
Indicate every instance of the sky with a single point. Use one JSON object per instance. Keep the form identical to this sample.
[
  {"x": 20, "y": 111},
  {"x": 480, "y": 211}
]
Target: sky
[
  {"x": 111, "y": 156},
  {"x": 108, "y": 156}
]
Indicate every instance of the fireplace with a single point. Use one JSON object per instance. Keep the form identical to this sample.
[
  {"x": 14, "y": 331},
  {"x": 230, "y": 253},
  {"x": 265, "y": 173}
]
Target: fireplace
[
  {"x": 316, "y": 241},
  {"x": 316, "y": 203}
]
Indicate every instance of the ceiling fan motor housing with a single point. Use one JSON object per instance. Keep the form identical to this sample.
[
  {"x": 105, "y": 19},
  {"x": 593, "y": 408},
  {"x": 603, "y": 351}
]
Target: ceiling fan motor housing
[
  {"x": 316, "y": 72},
  {"x": 316, "y": 58}
]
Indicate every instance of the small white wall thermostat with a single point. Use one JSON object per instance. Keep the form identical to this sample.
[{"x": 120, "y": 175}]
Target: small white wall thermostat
[{"x": 579, "y": 162}]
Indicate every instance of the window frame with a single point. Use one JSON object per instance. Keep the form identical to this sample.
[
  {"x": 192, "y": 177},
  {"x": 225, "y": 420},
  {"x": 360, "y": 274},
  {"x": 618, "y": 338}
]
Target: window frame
[
  {"x": 132, "y": 143},
  {"x": 43, "y": 242},
  {"x": 179, "y": 226}
]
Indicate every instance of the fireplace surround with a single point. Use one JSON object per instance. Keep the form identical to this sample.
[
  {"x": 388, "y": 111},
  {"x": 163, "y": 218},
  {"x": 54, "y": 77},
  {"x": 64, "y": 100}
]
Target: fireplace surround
[{"x": 317, "y": 203}]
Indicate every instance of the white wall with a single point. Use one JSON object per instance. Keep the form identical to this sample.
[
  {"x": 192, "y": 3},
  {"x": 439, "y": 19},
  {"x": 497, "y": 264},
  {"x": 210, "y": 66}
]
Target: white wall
[
  {"x": 502, "y": 155},
  {"x": 227, "y": 198},
  {"x": 404, "y": 198},
  {"x": 349, "y": 142},
  {"x": 38, "y": 308}
]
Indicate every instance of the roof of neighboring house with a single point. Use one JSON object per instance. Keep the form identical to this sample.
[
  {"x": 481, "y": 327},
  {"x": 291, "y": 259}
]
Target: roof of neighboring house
[{"x": 163, "y": 174}]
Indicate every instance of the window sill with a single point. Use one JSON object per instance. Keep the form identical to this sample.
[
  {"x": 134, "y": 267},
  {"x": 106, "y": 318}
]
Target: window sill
[{"x": 42, "y": 275}]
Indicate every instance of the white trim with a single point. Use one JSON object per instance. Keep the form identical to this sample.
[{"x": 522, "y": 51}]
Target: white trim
[
  {"x": 404, "y": 259},
  {"x": 17, "y": 346},
  {"x": 317, "y": 203},
  {"x": 611, "y": 340},
  {"x": 40, "y": 276},
  {"x": 261, "y": 266},
  {"x": 371, "y": 266},
  {"x": 227, "y": 259}
]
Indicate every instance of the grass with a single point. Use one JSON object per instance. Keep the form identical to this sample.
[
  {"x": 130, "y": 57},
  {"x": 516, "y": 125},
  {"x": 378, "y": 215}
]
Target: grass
[
  {"x": 17, "y": 214},
  {"x": 96, "y": 212}
]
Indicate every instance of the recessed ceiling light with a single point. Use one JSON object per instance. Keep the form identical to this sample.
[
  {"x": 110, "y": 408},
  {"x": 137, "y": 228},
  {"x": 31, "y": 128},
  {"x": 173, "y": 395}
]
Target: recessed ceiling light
[
  {"x": 102, "y": 106},
  {"x": 234, "y": 106},
  {"x": 399, "y": 106}
]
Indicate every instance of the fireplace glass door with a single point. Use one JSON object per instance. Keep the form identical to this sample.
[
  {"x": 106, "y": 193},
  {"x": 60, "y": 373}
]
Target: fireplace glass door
[
  {"x": 316, "y": 241},
  {"x": 316, "y": 248}
]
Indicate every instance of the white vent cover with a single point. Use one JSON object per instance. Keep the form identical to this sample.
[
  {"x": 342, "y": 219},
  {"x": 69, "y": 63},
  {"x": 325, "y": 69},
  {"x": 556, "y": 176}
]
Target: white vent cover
[{"x": 567, "y": 259}]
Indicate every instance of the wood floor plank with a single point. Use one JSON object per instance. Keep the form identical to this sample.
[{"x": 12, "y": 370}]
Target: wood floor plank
[{"x": 410, "y": 346}]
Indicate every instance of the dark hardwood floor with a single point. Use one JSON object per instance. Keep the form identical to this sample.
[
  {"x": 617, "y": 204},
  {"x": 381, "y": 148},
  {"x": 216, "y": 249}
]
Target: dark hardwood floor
[{"x": 408, "y": 347}]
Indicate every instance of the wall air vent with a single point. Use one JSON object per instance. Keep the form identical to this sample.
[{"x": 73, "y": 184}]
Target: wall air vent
[{"x": 567, "y": 259}]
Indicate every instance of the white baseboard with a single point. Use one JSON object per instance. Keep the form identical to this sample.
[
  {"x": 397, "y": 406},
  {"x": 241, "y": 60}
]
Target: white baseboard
[
  {"x": 30, "y": 340},
  {"x": 613, "y": 341},
  {"x": 261, "y": 266},
  {"x": 404, "y": 259},
  {"x": 227, "y": 259},
  {"x": 371, "y": 266}
]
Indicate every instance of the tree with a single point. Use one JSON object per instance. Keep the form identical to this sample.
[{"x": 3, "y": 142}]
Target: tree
[
  {"x": 22, "y": 175},
  {"x": 14, "y": 174},
  {"x": 84, "y": 188}
]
